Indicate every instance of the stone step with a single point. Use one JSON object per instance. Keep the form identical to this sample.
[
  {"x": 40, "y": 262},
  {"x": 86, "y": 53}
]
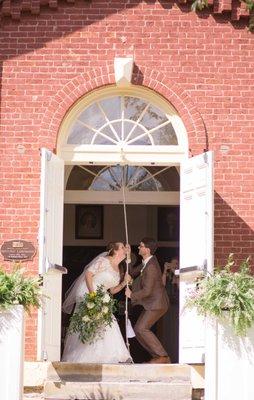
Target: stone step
[
  {"x": 62, "y": 371},
  {"x": 117, "y": 391},
  {"x": 67, "y": 381}
]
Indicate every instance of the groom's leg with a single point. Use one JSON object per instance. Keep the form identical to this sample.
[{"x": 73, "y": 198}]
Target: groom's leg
[{"x": 145, "y": 336}]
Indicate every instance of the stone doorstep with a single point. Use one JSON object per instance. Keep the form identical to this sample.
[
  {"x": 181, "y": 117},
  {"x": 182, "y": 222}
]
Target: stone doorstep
[
  {"x": 38, "y": 373},
  {"x": 197, "y": 394},
  {"x": 37, "y": 394},
  {"x": 118, "y": 372},
  {"x": 35, "y": 373},
  {"x": 118, "y": 381},
  {"x": 117, "y": 391}
]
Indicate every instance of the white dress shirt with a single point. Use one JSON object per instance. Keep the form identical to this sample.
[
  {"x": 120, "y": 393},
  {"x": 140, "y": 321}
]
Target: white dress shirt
[{"x": 144, "y": 263}]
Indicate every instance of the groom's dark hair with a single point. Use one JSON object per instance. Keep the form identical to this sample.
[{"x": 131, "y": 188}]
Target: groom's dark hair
[{"x": 150, "y": 243}]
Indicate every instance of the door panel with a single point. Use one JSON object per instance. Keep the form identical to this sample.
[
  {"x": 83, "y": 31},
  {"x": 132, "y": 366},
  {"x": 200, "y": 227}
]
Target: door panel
[
  {"x": 196, "y": 248},
  {"x": 50, "y": 254}
]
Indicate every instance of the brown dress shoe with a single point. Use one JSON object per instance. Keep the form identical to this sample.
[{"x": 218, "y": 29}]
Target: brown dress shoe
[{"x": 160, "y": 360}]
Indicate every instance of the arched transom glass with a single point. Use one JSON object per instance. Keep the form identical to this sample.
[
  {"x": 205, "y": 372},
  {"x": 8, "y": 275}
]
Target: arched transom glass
[
  {"x": 124, "y": 120},
  {"x": 133, "y": 178}
]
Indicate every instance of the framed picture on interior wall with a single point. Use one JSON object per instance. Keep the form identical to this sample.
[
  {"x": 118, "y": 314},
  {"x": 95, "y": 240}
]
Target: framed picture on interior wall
[
  {"x": 168, "y": 223},
  {"x": 89, "y": 222}
]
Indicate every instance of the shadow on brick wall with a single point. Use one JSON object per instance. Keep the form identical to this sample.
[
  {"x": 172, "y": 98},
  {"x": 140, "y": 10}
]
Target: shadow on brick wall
[{"x": 231, "y": 233}]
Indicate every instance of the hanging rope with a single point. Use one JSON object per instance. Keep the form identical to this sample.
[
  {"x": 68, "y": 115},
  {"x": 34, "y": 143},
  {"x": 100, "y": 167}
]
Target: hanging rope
[{"x": 127, "y": 260}]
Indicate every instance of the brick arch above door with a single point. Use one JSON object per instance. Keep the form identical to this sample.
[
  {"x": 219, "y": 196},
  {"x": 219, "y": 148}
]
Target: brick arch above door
[{"x": 96, "y": 78}]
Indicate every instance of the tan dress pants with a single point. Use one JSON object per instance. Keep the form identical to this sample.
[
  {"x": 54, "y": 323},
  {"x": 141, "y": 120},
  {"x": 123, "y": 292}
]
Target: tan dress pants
[{"x": 145, "y": 336}]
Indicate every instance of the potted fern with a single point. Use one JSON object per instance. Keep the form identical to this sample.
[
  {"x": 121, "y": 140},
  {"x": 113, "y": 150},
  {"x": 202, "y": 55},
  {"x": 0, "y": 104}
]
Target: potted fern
[
  {"x": 18, "y": 293},
  {"x": 227, "y": 295},
  {"x": 18, "y": 289},
  {"x": 226, "y": 299}
]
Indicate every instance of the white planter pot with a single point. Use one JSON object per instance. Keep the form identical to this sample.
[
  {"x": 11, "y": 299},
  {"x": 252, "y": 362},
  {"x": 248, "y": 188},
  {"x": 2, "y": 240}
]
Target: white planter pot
[
  {"x": 11, "y": 353},
  {"x": 229, "y": 365}
]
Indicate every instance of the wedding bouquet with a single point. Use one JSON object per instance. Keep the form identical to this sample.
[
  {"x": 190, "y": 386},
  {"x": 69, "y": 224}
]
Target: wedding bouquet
[{"x": 92, "y": 316}]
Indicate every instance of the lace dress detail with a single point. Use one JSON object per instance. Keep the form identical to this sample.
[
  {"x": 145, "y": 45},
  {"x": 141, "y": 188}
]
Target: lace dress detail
[{"x": 111, "y": 347}]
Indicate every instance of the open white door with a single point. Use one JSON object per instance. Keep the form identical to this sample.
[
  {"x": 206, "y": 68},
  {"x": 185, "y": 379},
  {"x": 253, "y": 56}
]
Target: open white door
[
  {"x": 50, "y": 255},
  {"x": 196, "y": 248}
]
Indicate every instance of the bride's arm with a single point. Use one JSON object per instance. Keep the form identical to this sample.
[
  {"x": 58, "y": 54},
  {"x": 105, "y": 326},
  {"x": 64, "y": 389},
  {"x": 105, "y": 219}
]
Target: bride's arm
[
  {"x": 117, "y": 288},
  {"x": 89, "y": 280},
  {"x": 95, "y": 267}
]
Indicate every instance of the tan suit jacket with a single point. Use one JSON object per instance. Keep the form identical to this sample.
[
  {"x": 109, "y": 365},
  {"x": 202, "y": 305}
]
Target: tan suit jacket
[{"x": 148, "y": 289}]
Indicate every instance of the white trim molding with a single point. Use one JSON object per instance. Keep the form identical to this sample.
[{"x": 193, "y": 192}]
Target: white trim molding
[{"x": 123, "y": 150}]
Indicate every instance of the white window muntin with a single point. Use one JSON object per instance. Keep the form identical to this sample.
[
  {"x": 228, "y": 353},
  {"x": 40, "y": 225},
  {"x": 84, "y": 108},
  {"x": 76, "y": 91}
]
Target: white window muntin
[
  {"x": 72, "y": 153},
  {"x": 123, "y": 130}
]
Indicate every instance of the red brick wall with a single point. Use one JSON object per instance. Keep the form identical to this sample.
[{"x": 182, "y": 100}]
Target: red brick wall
[{"x": 203, "y": 64}]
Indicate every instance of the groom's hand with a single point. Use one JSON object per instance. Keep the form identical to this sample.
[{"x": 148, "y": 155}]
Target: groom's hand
[
  {"x": 128, "y": 248},
  {"x": 128, "y": 279},
  {"x": 128, "y": 253},
  {"x": 128, "y": 292}
]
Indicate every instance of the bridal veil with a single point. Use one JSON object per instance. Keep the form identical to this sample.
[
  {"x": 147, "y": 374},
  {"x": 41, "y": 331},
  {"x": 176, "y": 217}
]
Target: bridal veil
[{"x": 73, "y": 291}]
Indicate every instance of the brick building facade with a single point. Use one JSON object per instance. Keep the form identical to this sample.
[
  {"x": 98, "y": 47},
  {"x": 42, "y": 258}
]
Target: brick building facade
[{"x": 54, "y": 52}]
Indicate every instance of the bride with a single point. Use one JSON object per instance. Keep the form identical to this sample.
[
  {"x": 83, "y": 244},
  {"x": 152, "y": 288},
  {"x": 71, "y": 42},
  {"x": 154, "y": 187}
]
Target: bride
[{"x": 110, "y": 348}]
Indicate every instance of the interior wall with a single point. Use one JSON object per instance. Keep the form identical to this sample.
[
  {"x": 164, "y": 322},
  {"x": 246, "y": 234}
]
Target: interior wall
[{"x": 142, "y": 221}]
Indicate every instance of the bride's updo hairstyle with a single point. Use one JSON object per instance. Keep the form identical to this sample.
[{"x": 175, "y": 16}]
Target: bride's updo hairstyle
[{"x": 112, "y": 247}]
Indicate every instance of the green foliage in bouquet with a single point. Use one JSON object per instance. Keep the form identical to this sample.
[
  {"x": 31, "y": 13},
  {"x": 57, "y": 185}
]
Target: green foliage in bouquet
[
  {"x": 227, "y": 295},
  {"x": 92, "y": 316},
  {"x": 18, "y": 289}
]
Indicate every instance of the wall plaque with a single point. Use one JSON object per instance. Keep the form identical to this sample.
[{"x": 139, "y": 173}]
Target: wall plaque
[{"x": 18, "y": 250}]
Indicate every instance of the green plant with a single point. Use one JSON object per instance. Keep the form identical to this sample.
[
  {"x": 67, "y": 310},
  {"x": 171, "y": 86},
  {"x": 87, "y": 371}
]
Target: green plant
[
  {"x": 16, "y": 288},
  {"x": 199, "y": 5},
  {"x": 92, "y": 316},
  {"x": 227, "y": 295}
]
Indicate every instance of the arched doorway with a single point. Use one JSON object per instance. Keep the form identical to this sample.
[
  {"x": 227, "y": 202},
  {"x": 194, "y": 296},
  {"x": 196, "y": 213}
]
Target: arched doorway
[
  {"x": 135, "y": 139},
  {"x": 111, "y": 133}
]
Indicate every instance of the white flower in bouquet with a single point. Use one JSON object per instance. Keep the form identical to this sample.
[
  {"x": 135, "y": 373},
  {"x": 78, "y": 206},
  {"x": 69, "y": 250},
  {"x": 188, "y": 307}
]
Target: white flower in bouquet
[
  {"x": 93, "y": 315},
  {"x": 106, "y": 298}
]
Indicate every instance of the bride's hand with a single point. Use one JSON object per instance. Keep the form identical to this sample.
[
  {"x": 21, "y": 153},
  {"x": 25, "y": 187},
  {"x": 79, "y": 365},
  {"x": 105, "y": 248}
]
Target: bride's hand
[
  {"x": 128, "y": 293},
  {"x": 127, "y": 278}
]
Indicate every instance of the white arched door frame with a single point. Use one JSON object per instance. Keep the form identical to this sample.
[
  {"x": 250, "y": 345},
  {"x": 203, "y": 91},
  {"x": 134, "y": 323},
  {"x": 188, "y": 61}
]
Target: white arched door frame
[
  {"x": 70, "y": 155},
  {"x": 120, "y": 153}
]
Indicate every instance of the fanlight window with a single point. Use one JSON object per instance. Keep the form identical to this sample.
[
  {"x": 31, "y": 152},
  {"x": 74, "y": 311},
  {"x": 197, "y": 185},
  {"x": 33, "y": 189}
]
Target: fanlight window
[
  {"x": 122, "y": 120},
  {"x": 113, "y": 178}
]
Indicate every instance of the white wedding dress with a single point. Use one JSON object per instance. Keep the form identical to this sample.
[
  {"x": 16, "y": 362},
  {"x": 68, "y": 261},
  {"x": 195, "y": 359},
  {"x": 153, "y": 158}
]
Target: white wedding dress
[{"x": 110, "y": 348}]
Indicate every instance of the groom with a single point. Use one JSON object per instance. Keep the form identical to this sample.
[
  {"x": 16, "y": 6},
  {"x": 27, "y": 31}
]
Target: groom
[{"x": 149, "y": 291}]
